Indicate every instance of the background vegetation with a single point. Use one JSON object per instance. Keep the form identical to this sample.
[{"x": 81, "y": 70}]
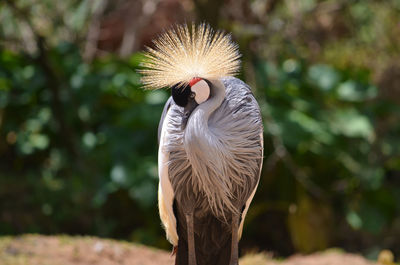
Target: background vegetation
[{"x": 78, "y": 134}]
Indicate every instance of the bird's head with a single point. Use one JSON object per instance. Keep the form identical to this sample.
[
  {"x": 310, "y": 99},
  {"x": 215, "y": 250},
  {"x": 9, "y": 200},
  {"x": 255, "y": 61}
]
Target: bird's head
[
  {"x": 198, "y": 90},
  {"x": 185, "y": 58}
]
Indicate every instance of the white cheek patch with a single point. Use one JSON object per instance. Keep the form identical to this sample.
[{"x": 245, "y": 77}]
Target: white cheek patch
[{"x": 202, "y": 91}]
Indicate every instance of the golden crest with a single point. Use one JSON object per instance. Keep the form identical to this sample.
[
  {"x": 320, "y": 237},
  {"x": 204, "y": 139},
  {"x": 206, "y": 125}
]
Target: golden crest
[{"x": 181, "y": 54}]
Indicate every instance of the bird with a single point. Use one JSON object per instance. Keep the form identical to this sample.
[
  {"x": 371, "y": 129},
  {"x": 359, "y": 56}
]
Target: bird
[{"x": 210, "y": 142}]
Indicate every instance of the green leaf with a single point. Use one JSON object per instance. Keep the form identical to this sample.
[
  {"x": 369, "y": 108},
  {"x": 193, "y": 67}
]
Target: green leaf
[
  {"x": 156, "y": 97},
  {"x": 311, "y": 126},
  {"x": 372, "y": 218},
  {"x": 89, "y": 139},
  {"x": 353, "y": 91},
  {"x": 354, "y": 220},
  {"x": 118, "y": 174},
  {"x": 323, "y": 76},
  {"x": 39, "y": 141},
  {"x": 351, "y": 123}
]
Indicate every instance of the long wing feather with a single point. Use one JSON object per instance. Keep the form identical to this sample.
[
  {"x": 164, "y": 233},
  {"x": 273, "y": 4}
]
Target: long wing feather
[{"x": 165, "y": 190}]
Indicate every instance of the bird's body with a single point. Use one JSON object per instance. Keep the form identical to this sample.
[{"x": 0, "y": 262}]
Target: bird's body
[
  {"x": 232, "y": 138},
  {"x": 210, "y": 152}
]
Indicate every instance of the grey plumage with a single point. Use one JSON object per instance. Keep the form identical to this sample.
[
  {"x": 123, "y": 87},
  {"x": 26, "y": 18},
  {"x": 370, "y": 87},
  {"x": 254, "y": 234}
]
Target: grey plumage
[{"x": 214, "y": 162}]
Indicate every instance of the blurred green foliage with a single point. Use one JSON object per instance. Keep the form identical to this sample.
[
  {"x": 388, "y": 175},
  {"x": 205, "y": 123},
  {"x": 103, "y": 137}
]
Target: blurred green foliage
[
  {"x": 78, "y": 139},
  {"x": 329, "y": 163},
  {"x": 111, "y": 148}
]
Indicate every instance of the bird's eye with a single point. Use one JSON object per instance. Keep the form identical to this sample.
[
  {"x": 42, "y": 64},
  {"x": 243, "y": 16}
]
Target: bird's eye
[{"x": 192, "y": 95}]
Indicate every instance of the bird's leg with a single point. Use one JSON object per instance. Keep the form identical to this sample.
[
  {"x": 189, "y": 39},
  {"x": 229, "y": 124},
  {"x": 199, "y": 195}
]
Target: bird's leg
[
  {"x": 190, "y": 237},
  {"x": 235, "y": 240}
]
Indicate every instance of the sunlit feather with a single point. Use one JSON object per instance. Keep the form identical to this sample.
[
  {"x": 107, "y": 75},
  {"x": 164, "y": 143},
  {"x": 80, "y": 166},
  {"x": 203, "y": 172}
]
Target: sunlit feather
[{"x": 181, "y": 54}]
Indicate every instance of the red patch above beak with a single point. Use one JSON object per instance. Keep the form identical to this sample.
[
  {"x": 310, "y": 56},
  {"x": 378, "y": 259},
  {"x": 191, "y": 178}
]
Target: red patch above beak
[{"x": 194, "y": 81}]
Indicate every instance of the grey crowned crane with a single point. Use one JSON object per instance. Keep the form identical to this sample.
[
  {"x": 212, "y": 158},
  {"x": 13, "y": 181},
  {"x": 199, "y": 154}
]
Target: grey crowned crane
[{"x": 210, "y": 143}]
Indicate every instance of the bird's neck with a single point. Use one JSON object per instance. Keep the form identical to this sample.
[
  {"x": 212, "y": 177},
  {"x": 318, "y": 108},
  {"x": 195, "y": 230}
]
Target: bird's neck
[
  {"x": 199, "y": 139},
  {"x": 197, "y": 130},
  {"x": 205, "y": 151},
  {"x": 217, "y": 96}
]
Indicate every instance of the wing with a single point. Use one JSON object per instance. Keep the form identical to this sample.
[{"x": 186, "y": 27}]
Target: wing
[
  {"x": 165, "y": 191},
  {"x": 242, "y": 100},
  {"x": 248, "y": 202}
]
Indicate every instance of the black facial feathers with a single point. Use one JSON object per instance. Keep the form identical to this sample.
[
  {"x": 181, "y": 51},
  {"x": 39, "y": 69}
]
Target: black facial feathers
[{"x": 181, "y": 94}]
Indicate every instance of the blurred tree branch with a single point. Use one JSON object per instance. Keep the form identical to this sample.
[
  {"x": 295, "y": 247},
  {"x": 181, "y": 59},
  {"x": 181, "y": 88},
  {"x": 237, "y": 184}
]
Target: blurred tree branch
[
  {"x": 141, "y": 12},
  {"x": 94, "y": 31}
]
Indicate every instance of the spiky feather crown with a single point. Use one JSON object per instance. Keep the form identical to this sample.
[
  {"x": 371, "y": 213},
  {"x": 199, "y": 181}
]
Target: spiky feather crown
[{"x": 181, "y": 54}]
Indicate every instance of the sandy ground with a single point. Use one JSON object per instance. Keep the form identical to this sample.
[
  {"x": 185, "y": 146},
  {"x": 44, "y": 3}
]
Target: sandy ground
[
  {"x": 326, "y": 258},
  {"x": 66, "y": 250}
]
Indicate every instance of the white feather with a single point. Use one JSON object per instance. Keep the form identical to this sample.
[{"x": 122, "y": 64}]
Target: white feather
[
  {"x": 201, "y": 90},
  {"x": 165, "y": 191}
]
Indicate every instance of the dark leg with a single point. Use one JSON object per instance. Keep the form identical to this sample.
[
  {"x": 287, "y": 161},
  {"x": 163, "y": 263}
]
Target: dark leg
[
  {"x": 190, "y": 236},
  {"x": 235, "y": 240}
]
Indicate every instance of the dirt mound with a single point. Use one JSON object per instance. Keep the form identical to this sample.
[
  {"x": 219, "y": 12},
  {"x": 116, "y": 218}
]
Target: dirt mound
[
  {"x": 325, "y": 258},
  {"x": 67, "y": 250},
  {"x": 329, "y": 258}
]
